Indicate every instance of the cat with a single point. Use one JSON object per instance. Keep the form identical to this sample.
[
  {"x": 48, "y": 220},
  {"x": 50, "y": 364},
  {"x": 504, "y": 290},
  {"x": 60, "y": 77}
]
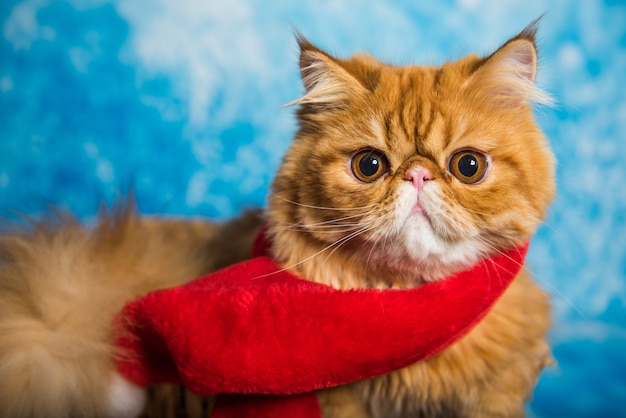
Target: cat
[
  {"x": 397, "y": 176},
  {"x": 403, "y": 175}
]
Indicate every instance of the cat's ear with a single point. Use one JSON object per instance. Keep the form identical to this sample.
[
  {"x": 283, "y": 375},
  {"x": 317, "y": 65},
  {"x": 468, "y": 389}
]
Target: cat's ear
[
  {"x": 507, "y": 76},
  {"x": 326, "y": 82}
]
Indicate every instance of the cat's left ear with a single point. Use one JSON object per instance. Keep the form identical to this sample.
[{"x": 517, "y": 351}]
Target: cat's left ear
[{"x": 507, "y": 77}]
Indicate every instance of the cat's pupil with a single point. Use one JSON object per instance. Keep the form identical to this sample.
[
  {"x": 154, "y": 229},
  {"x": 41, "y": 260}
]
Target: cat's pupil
[
  {"x": 468, "y": 165},
  {"x": 369, "y": 165}
]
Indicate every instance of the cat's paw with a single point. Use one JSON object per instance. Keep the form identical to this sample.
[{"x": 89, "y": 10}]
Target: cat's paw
[{"x": 124, "y": 399}]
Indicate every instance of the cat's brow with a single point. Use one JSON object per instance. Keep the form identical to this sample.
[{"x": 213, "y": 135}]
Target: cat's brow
[
  {"x": 418, "y": 109},
  {"x": 433, "y": 114},
  {"x": 408, "y": 92}
]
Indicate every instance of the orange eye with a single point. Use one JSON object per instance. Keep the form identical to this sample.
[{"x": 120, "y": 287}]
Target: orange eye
[
  {"x": 469, "y": 166},
  {"x": 369, "y": 165}
]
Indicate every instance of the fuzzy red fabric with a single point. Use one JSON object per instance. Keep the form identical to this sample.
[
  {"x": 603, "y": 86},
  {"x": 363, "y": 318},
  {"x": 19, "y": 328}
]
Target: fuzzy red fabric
[{"x": 255, "y": 329}]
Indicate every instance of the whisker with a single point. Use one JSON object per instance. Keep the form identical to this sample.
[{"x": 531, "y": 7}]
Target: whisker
[
  {"x": 386, "y": 235},
  {"x": 549, "y": 226},
  {"x": 332, "y": 225},
  {"x": 322, "y": 207},
  {"x": 338, "y": 221},
  {"x": 358, "y": 215},
  {"x": 561, "y": 295},
  {"x": 479, "y": 213},
  {"x": 331, "y": 229},
  {"x": 544, "y": 282},
  {"x": 335, "y": 245},
  {"x": 294, "y": 264}
]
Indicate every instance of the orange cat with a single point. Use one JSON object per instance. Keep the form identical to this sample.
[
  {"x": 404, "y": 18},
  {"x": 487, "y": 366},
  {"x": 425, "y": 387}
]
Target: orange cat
[
  {"x": 397, "y": 176},
  {"x": 403, "y": 175}
]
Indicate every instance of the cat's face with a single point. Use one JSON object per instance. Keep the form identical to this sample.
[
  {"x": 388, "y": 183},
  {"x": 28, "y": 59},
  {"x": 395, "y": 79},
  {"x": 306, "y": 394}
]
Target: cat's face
[{"x": 425, "y": 168}]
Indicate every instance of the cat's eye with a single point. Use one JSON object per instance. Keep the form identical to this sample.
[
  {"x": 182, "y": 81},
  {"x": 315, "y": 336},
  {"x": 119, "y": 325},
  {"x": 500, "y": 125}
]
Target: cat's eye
[
  {"x": 469, "y": 166},
  {"x": 369, "y": 165}
]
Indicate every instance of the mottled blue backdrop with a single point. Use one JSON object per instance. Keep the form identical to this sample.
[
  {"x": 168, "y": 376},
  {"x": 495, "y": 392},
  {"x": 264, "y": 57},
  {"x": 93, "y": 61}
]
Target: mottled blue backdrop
[{"x": 182, "y": 101}]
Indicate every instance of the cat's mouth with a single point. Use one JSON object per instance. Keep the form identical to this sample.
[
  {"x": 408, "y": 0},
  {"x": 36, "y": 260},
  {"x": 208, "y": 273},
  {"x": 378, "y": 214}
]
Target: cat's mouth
[{"x": 418, "y": 210}]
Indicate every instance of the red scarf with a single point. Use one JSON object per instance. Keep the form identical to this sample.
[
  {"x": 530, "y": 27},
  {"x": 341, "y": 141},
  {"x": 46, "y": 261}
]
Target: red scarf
[{"x": 255, "y": 333}]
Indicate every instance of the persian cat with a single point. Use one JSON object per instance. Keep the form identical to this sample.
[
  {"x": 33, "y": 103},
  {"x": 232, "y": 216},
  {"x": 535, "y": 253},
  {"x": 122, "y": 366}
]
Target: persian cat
[
  {"x": 397, "y": 176},
  {"x": 401, "y": 175}
]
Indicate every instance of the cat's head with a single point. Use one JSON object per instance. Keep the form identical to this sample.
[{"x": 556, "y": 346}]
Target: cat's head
[{"x": 415, "y": 167}]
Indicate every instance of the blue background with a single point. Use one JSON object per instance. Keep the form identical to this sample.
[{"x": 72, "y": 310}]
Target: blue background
[{"x": 182, "y": 101}]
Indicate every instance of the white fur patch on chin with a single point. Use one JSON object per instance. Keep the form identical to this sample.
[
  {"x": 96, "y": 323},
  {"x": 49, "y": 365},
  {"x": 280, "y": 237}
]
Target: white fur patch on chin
[
  {"x": 426, "y": 248},
  {"x": 416, "y": 238},
  {"x": 124, "y": 399}
]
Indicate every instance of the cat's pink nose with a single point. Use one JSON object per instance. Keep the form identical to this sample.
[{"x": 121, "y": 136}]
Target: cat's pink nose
[{"x": 418, "y": 176}]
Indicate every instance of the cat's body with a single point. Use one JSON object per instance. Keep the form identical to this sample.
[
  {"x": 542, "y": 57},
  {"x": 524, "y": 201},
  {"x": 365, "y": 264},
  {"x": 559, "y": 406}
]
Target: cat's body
[{"x": 397, "y": 176}]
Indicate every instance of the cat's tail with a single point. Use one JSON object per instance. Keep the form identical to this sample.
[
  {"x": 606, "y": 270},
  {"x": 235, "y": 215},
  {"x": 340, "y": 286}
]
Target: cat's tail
[
  {"x": 62, "y": 283},
  {"x": 56, "y": 304}
]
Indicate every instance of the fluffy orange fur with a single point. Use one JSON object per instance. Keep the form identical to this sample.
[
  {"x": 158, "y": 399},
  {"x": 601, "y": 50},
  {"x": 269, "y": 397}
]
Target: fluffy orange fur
[
  {"x": 60, "y": 283},
  {"x": 331, "y": 226}
]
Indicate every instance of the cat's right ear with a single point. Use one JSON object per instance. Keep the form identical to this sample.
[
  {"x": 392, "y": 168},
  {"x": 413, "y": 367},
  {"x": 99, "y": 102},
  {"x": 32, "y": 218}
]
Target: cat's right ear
[
  {"x": 326, "y": 82},
  {"x": 507, "y": 77}
]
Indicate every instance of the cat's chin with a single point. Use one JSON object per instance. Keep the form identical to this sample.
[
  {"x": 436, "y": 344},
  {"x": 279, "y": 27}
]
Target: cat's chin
[{"x": 411, "y": 272}]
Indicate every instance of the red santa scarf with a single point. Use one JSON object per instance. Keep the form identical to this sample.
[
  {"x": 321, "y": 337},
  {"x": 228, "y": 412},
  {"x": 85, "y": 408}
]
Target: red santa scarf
[{"x": 263, "y": 339}]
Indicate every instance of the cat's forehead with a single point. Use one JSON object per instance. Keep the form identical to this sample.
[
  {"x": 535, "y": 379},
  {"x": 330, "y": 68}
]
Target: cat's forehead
[
  {"x": 414, "y": 108},
  {"x": 376, "y": 74}
]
